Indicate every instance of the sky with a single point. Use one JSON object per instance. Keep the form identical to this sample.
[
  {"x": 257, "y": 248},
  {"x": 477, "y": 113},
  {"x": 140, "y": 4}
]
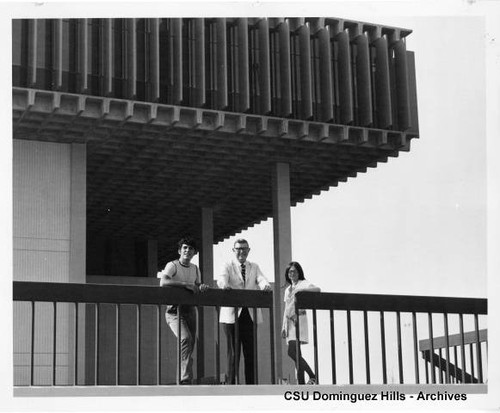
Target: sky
[{"x": 425, "y": 223}]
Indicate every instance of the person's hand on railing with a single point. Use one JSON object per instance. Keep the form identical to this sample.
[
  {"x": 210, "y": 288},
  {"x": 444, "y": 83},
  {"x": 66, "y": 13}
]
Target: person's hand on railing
[
  {"x": 203, "y": 287},
  {"x": 284, "y": 333},
  {"x": 267, "y": 288}
]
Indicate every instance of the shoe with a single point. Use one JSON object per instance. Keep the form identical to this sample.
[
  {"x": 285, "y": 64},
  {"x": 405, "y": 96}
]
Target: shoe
[
  {"x": 184, "y": 382},
  {"x": 312, "y": 381}
]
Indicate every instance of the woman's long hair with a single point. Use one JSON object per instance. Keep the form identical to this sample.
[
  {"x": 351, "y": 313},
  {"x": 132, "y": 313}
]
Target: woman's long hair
[{"x": 298, "y": 267}]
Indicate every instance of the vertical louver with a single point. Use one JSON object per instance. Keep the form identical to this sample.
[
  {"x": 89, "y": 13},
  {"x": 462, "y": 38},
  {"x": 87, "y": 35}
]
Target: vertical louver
[{"x": 325, "y": 70}]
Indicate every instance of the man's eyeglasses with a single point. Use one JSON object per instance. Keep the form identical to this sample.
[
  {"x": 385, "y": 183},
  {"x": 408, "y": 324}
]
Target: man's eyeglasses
[{"x": 241, "y": 249}]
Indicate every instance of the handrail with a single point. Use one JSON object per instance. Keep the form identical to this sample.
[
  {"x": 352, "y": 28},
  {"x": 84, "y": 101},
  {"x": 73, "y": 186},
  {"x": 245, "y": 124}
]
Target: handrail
[
  {"x": 379, "y": 302},
  {"x": 427, "y": 306},
  {"x": 454, "y": 340},
  {"x": 127, "y": 294},
  {"x": 97, "y": 294}
]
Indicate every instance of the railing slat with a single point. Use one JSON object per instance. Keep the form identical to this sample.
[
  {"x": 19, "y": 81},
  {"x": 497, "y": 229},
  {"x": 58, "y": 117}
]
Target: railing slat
[
  {"x": 447, "y": 335},
  {"x": 332, "y": 340},
  {"x": 273, "y": 344},
  {"x": 178, "y": 340},
  {"x": 138, "y": 345},
  {"x": 415, "y": 347},
  {"x": 382, "y": 338},
  {"x": 367, "y": 346},
  {"x": 315, "y": 341},
  {"x": 431, "y": 337},
  {"x": 54, "y": 344},
  {"x": 471, "y": 349},
  {"x": 217, "y": 345},
  {"x": 117, "y": 345},
  {"x": 440, "y": 352},
  {"x": 96, "y": 344},
  {"x": 400, "y": 348},
  {"x": 76, "y": 345},
  {"x": 455, "y": 366},
  {"x": 255, "y": 346},
  {"x": 158, "y": 344},
  {"x": 462, "y": 347},
  {"x": 478, "y": 350},
  {"x": 298, "y": 354},
  {"x": 349, "y": 347},
  {"x": 236, "y": 347}
]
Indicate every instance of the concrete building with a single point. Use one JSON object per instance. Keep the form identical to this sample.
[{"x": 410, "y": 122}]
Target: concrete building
[{"x": 129, "y": 133}]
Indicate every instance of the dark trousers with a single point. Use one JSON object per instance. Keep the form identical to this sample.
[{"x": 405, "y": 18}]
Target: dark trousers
[
  {"x": 303, "y": 366},
  {"x": 245, "y": 332}
]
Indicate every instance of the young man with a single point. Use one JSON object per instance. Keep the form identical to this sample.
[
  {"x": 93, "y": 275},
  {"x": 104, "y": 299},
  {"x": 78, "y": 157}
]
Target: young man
[
  {"x": 240, "y": 274},
  {"x": 181, "y": 273}
]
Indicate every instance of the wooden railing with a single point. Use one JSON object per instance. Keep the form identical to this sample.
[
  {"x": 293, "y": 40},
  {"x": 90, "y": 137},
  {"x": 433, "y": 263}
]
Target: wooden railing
[
  {"x": 420, "y": 315},
  {"x": 120, "y": 296}
]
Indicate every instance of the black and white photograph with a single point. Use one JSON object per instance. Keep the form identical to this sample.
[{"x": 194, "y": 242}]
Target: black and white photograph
[{"x": 233, "y": 206}]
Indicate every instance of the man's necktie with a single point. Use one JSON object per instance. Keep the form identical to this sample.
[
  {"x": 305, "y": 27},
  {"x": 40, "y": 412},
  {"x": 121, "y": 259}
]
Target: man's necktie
[{"x": 243, "y": 272}]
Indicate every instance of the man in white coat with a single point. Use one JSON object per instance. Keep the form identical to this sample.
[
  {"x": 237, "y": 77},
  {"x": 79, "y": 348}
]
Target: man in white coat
[{"x": 240, "y": 274}]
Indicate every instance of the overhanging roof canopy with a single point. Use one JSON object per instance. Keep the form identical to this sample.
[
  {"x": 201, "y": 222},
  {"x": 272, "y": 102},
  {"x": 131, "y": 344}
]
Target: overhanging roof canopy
[{"x": 151, "y": 167}]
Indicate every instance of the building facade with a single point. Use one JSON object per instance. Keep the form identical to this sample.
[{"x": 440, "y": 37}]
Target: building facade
[{"x": 129, "y": 133}]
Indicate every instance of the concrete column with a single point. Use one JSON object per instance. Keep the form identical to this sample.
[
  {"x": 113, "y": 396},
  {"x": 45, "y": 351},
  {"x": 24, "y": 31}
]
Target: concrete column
[
  {"x": 78, "y": 214},
  {"x": 206, "y": 349},
  {"x": 78, "y": 252},
  {"x": 152, "y": 251},
  {"x": 282, "y": 250}
]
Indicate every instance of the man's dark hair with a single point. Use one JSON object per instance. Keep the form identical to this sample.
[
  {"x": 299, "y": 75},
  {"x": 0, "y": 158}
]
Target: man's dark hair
[{"x": 189, "y": 242}]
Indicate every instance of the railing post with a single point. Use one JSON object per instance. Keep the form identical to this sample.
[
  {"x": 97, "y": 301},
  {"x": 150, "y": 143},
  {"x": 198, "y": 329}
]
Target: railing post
[
  {"x": 367, "y": 347},
  {"x": 332, "y": 340},
  {"x": 415, "y": 347}
]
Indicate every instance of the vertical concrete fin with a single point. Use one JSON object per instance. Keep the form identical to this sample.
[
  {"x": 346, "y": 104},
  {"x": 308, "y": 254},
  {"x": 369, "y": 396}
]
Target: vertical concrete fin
[
  {"x": 155, "y": 59},
  {"x": 383, "y": 86},
  {"x": 285, "y": 70},
  {"x": 363, "y": 81},
  {"x": 402, "y": 85},
  {"x": 345, "y": 78},
  {"x": 326, "y": 76},
  {"x": 200, "y": 98},
  {"x": 264, "y": 67},
  {"x": 132, "y": 58},
  {"x": 177, "y": 60},
  {"x": 222, "y": 100},
  {"x": 305, "y": 70}
]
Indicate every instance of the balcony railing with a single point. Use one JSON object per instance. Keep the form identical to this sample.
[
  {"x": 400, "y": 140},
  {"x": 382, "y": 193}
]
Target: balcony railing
[
  {"x": 379, "y": 354},
  {"x": 117, "y": 336},
  {"x": 105, "y": 329}
]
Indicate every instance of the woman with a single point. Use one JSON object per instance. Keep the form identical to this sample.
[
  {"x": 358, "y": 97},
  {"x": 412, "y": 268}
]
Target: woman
[{"x": 294, "y": 276}]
